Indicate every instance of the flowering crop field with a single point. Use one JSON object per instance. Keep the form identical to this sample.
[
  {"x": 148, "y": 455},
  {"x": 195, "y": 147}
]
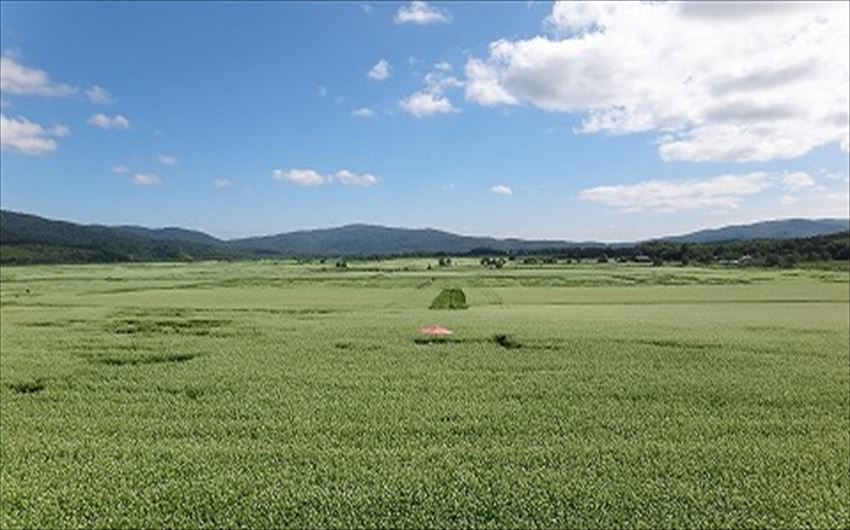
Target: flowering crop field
[{"x": 269, "y": 394}]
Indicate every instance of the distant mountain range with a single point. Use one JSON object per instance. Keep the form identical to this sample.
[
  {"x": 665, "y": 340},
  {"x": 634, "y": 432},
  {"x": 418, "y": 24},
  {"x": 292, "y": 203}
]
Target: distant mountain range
[
  {"x": 785, "y": 229},
  {"x": 26, "y": 238}
]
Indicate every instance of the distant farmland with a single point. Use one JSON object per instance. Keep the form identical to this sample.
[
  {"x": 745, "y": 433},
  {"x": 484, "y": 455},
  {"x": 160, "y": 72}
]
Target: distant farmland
[{"x": 268, "y": 394}]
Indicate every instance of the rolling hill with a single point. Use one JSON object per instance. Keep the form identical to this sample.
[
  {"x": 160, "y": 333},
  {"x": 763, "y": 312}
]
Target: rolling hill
[
  {"x": 361, "y": 239},
  {"x": 784, "y": 229},
  {"x": 26, "y": 238}
]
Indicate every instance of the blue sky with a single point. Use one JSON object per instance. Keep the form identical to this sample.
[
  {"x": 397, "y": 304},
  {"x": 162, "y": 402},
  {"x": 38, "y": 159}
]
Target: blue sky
[{"x": 575, "y": 121}]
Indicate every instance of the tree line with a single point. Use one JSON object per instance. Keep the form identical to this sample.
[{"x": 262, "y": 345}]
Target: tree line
[{"x": 754, "y": 253}]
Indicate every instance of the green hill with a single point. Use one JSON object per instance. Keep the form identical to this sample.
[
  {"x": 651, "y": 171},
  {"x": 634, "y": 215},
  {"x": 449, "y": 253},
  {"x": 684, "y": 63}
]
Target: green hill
[{"x": 26, "y": 238}]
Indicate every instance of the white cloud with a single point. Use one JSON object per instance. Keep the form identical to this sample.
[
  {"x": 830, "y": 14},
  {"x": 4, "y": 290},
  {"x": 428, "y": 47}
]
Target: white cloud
[
  {"x": 501, "y": 189},
  {"x": 301, "y": 177},
  {"x": 422, "y": 104},
  {"x": 221, "y": 183},
  {"x": 99, "y": 95},
  {"x": 59, "y": 131},
  {"x": 438, "y": 82},
  {"x": 797, "y": 180},
  {"x": 380, "y": 71},
  {"x": 16, "y": 78},
  {"x": 443, "y": 66},
  {"x": 418, "y": 12},
  {"x": 769, "y": 81},
  {"x": 835, "y": 175},
  {"x": 364, "y": 180},
  {"x": 29, "y": 138},
  {"x": 311, "y": 177},
  {"x": 787, "y": 200},
  {"x": 106, "y": 122},
  {"x": 363, "y": 112},
  {"x": 120, "y": 169},
  {"x": 168, "y": 160},
  {"x": 432, "y": 99},
  {"x": 725, "y": 191},
  {"x": 145, "y": 179},
  {"x": 483, "y": 85}
]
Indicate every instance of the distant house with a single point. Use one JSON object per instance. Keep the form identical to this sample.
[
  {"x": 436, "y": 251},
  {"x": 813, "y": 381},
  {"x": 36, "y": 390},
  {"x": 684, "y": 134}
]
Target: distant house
[
  {"x": 743, "y": 260},
  {"x": 642, "y": 258}
]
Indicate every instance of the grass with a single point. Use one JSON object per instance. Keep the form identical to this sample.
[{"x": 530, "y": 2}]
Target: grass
[
  {"x": 272, "y": 394},
  {"x": 450, "y": 298},
  {"x": 506, "y": 341}
]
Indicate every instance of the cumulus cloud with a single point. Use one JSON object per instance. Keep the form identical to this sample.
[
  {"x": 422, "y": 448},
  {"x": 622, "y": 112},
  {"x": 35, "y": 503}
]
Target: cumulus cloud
[
  {"x": 29, "y": 138},
  {"x": 99, "y": 96},
  {"x": 380, "y": 71},
  {"x": 109, "y": 122},
  {"x": 432, "y": 99},
  {"x": 145, "y": 179},
  {"x": 483, "y": 85},
  {"x": 725, "y": 191},
  {"x": 311, "y": 177},
  {"x": 301, "y": 177},
  {"x": 771, "y": 81},
  {"x": 419, "y": 12},
  {"x": 501, "y": 189},
  {"x": 797, "y": 180},
  {"x": 363, "y": 112},
  {"x": 221, "y": 183},
  {"x": 362, "y": 180},
  {"x": 168, "y": 160},
  {"x": 421, "y": 104},
  {"x": 16, "y": 78}
]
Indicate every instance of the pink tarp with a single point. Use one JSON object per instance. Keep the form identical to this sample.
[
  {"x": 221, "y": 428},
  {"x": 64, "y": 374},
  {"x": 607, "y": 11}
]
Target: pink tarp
[{"x": 436, "y": 331}]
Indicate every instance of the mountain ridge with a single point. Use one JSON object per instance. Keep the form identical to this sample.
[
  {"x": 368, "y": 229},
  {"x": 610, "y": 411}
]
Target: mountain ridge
[{"x": 26, "y": 237}]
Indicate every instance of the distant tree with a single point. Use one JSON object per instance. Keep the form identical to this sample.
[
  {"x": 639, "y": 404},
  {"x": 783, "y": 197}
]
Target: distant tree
[
  {"x": 789, "y": 261},
  {"x": 602, "y": 259}
]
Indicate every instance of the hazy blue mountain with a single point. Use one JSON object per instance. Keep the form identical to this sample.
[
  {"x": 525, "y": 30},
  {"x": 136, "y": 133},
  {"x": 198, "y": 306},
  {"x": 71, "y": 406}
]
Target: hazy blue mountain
[
  {"x": 26, "y": 238},
  {"x": 783, "y": 229},
  {"x": 361, "y": 239},
  {"x": 171, "y": 234}
]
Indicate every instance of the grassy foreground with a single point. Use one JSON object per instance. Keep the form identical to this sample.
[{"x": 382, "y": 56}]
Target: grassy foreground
[{"x": 276, "y": 394}]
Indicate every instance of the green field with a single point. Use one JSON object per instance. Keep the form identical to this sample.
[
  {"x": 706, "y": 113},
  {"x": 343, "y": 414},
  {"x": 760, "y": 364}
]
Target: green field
[{"x": 276, "y": 394}]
